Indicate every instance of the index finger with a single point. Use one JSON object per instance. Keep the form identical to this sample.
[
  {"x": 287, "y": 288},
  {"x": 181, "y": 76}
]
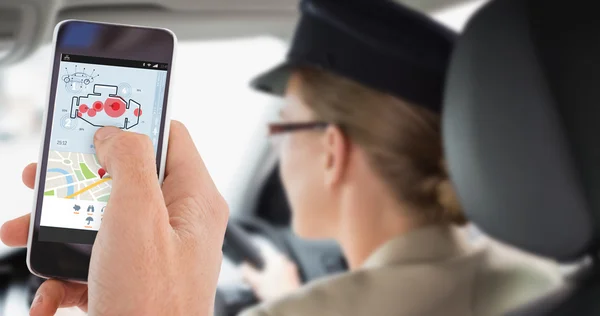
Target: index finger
[{"x": 29, "y": 175}]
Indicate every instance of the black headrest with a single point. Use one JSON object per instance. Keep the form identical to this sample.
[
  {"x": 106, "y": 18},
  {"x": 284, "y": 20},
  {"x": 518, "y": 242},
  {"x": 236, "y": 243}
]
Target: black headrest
[{"x": 522, "y": 124}]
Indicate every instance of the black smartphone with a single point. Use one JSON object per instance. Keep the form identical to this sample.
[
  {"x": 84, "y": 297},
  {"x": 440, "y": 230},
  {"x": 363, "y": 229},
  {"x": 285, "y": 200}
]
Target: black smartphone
[{"x": 102, "y": 75}]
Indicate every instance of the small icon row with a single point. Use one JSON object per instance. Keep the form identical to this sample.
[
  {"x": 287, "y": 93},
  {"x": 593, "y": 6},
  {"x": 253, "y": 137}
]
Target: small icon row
[{"x": 90, "y": 208}]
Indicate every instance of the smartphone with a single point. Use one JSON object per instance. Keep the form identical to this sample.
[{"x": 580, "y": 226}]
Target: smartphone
[{"x": 102, "y": 75}]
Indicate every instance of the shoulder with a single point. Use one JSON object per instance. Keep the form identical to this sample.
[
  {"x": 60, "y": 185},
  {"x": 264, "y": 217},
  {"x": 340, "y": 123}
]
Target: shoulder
[
  {"x": 403, "y": 289},
  {"x": 508, "y": 277},
  {"x": 513, "y": 265},
  {"x": 329, "y": 296}
]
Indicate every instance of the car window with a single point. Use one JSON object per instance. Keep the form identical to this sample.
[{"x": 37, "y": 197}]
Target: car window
[
  {"x": 210, "y": 94},
  {"x": 456, "y": 17}
]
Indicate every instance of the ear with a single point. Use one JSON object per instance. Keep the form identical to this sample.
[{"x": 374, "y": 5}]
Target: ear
[{"x": 337, "y": 153}]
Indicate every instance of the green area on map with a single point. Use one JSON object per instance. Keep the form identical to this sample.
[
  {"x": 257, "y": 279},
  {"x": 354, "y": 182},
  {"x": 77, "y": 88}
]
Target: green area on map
[
  {"x": 87, "y": 173},
  {"x": 49, "y": 193}
]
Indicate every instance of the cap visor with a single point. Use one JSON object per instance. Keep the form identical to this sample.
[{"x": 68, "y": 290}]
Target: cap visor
[{"x": 273, "y": 81}]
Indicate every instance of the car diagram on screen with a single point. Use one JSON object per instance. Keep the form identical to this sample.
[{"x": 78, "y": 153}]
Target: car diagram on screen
[
  {"x": 78, "y": 80},
  {"x": 105, "y": 107}
]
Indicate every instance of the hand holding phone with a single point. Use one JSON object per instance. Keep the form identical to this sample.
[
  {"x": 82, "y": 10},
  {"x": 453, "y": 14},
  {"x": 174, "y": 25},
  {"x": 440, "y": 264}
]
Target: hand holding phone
[
  {"x": 159, "y": 251},
  {"x": 102, "y": 163},
  {"x": 102, "y": 75}
]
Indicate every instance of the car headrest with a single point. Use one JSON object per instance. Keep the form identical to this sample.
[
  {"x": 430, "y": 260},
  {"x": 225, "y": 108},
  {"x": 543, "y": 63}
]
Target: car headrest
[{"x": 522, "y": 124}]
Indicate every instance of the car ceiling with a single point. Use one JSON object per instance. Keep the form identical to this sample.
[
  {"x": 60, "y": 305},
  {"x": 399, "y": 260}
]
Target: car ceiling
[
  {"x": 26, "y": 24},
  {"x": 239, "y": 5}
]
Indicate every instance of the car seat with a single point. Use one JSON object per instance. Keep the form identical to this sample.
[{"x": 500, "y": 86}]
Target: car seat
[{"x": 521, "y": 129}]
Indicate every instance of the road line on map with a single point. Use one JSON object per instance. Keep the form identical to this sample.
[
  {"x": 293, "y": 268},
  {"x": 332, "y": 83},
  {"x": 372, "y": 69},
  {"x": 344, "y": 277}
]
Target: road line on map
[
  {"x": 58, "y": 177},
  {"x": 87, "y": 188},
  {"x": 71, "y": 184}
]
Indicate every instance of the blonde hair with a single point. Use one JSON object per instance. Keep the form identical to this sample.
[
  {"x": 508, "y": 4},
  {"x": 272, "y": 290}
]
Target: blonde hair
[{"x": 402, "y": 141}]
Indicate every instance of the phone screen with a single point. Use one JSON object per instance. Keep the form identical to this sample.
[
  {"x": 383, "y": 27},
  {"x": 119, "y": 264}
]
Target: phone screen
[{"x": 93, "y": 92}]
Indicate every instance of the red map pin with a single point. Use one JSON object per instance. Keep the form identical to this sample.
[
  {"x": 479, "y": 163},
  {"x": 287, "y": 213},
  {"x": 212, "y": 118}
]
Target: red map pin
[{"x": 101, "y": 172}]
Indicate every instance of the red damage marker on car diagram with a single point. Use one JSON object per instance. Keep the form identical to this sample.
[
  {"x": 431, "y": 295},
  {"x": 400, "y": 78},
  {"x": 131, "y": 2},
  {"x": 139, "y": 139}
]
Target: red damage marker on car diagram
[{"x": 105, "y": 108}]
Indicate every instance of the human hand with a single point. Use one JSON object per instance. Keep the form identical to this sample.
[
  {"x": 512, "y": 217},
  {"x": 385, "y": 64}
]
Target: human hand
[
  {"x": 278, "y": 278},
  {"x": 158, "y": 252}
]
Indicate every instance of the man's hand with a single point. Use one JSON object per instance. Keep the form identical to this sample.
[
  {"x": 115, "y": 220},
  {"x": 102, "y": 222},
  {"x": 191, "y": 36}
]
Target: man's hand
[{"x": 158, "y": 251}]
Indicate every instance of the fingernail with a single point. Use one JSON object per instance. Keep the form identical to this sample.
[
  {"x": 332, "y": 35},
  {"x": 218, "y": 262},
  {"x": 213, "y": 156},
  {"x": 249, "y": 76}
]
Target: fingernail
[
  {"x": 37, "y": 300},
  {"x": 106, "y": 132}
]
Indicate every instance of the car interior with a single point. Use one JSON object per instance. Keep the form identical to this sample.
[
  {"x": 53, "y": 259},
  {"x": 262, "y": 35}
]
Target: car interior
[{"x": 516, "y": 122}]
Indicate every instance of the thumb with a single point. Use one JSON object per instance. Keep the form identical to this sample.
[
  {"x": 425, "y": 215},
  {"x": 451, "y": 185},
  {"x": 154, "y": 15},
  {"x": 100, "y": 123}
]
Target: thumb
[
  {"x": 129, "y": 159},
  {"x": 124, "y": 154}
]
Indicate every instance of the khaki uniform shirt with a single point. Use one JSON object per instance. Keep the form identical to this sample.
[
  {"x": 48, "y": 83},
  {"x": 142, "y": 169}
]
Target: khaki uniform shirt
[{"x": 434, "y": 271}]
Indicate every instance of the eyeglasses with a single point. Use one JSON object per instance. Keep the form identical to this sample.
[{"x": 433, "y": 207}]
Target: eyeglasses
[{"x": 280, "y": 128}]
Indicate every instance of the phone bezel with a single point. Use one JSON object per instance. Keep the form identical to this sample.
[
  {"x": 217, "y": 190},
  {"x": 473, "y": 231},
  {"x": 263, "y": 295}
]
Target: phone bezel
[{"x": 71, "y": 261}]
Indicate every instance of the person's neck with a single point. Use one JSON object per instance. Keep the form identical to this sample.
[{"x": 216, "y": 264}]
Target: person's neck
[{"x": 370, "y": 219}]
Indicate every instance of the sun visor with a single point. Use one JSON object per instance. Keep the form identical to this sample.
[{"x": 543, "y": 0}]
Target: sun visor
[{"x": 22, "y": 27}]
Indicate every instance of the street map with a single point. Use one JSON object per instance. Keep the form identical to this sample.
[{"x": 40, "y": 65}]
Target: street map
[{"x": 76, "y": 176}]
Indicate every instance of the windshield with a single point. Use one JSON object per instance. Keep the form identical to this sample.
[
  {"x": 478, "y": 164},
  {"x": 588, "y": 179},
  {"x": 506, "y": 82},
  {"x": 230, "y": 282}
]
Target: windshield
[{"x": 210, "y": 94}]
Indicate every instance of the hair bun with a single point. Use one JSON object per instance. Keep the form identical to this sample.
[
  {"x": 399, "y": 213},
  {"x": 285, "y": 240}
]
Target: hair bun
[{"x": 448, "y": 200}]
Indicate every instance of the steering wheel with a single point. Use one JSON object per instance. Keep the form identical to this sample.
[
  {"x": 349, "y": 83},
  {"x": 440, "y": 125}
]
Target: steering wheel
[
  {"x": 240, "y": 246},
  {"x": 245, "y": 241},
  {"x": 240, "y": 242}
]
